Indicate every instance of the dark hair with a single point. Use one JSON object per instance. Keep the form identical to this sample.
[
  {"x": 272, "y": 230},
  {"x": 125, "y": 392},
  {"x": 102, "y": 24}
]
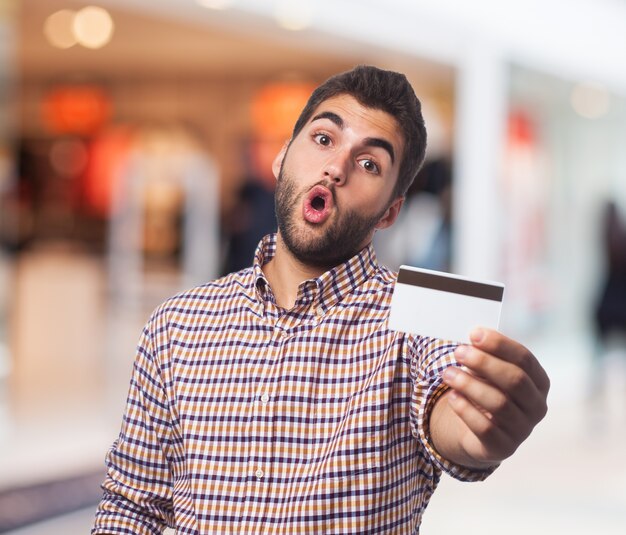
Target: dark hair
[{"x": 387, "y": 91}]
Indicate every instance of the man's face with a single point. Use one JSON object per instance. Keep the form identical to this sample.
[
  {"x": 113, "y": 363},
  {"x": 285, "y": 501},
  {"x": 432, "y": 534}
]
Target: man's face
[{"x": 335, "y": 181}]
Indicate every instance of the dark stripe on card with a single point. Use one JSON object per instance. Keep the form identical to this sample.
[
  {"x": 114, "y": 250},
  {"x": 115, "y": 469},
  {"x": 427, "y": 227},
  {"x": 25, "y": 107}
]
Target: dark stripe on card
[{"x": 449, "y": 284}]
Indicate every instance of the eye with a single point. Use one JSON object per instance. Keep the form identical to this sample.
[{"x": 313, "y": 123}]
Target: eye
[
  {"x": 370, "y": 166},
  {"x": 322, "y": 139}
]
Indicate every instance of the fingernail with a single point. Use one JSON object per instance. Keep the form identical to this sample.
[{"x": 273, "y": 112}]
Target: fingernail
[
  {"x": 477, "y": 335},
  {"x": 460, "y": 353},
  {"x": 450, "y": 373},
  {"x": 453, "y": 396}
]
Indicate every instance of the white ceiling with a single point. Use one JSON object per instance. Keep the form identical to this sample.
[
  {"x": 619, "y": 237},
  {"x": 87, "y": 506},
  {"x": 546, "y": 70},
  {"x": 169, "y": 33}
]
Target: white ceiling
[
  {"x": 147, "y": 45},
  {"x": 198, "y": 43}
]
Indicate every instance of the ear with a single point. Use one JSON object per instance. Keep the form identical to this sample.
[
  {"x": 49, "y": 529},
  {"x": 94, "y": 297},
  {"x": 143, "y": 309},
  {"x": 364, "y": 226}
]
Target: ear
[
  {"x": 278, "y": 160},
  {"x": 391, "y": 214}
]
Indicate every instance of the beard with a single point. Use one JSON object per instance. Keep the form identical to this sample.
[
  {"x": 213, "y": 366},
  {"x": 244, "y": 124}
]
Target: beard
[{"x": 343, "y": 236}]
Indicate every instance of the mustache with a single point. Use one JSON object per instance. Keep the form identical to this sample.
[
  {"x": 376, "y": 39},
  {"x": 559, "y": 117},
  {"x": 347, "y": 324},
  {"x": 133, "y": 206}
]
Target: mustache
[{"x": 330, "y": 186}]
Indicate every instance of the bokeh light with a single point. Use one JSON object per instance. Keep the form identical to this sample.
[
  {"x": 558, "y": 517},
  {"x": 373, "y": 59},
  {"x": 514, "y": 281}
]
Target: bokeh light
[
  {"x": 93, "y": 27},
  {"x": 214, "y": 4},
  {"x": 293, "y": 16},
  {"x": 68, "y": 157},
  {"x": 58, "y": 29},
  {"x": 76, "y": 109},
  {"x": 589, "y": 100}
]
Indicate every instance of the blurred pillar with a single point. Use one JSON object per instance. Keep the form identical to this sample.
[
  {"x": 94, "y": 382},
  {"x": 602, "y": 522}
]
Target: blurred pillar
[
  {"x": 480, "y": 135},
  {"x": 175, "y": 170},
  {"x": 197, "y": 176},
  {"x": 7, "y": 176}
]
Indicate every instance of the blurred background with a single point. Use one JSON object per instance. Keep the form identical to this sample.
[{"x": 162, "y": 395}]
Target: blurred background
[{"x": 135, "y": 142}]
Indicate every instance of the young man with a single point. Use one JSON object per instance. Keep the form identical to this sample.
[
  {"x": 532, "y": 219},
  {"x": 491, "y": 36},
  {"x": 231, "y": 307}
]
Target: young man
[{"x": 275, "y": 399}]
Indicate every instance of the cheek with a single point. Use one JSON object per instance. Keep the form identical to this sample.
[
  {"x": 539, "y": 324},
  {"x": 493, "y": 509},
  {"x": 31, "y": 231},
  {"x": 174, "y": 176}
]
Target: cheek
[
  {"x": 304, "y": 169},
  {"x": 362, "y": 201},
  {"x": 372, "y": 196}
]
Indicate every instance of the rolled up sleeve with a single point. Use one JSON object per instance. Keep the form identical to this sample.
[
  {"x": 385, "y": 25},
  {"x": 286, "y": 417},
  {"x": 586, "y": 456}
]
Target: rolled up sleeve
[{"x": 429, "y": 358}]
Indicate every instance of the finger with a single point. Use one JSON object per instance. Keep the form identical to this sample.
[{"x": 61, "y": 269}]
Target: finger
[
  {"x": 492, "y": 401},
  {"x": 495, "y": 343},
  {"x": 493, "y": 443},
  {"x": 506, "y": 377}
]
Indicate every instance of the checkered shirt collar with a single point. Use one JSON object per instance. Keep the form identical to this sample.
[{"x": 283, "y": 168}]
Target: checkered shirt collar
[{"x": 330, "y": 287}]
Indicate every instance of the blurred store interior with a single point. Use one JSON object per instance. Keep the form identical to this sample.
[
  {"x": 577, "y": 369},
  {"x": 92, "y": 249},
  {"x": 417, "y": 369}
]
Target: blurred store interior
[{"x": 136, "y": 138}]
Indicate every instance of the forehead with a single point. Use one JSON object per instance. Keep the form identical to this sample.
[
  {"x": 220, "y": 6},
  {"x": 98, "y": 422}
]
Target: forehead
[{"x": 362, "y": 120}]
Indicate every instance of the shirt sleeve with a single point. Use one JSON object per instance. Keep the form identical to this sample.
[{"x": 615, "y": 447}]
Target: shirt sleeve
[
  {"x": 429, "y": 358},
  {"x": 138, "y": 488}
]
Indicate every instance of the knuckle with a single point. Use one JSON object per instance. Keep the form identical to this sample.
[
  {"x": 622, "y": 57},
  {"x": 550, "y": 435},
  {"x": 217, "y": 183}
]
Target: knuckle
[
  {"x": 527, "y": 361},
  {"x": 548, "y": 384},
  {"x": 488, "y": 430},
  {"x": 543, "y": 411},
  {"x": 518, "y": 379},
  {"x": 461, "y": 380},
  {"x": 523, "y": 359},
  {"x": 460, "y": 403},
  {"x": 477, "y": 359},
  {"x": 500, "y": 404}
]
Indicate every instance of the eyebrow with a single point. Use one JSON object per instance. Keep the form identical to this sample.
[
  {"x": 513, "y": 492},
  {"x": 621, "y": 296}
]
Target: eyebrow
[{"x": 368, "y": 141}]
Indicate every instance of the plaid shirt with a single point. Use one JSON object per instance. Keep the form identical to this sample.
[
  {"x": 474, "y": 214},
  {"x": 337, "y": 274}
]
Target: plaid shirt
[{"x": 243, "y": 417}]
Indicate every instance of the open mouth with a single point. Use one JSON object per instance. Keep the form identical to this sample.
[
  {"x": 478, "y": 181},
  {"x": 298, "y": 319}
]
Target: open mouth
[{"x": 317, "y": 205}]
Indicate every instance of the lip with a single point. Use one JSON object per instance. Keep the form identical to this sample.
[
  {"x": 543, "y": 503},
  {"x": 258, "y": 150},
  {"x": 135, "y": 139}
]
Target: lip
[{"x": 313, "y": 214}]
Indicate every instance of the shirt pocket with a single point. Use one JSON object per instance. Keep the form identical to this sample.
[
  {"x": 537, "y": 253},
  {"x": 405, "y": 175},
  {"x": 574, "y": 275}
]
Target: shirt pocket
[{"x": 352, "y": 443}]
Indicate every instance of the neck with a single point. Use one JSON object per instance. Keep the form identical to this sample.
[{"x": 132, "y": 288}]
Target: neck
[{"x": 285, "y": 273}]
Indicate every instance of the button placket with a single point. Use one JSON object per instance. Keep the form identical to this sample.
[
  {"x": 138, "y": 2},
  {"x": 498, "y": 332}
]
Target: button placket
[
  {"x": 262, "y": 431},
  {"x": 261, "y": 449}
]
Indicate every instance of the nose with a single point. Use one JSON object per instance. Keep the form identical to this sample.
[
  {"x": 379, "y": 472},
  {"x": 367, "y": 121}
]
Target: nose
[{"x": 336, "y": 171}]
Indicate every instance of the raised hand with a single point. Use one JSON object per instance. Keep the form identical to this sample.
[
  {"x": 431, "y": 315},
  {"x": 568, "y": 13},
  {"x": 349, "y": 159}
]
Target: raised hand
[{"x": 494, "y": 402}]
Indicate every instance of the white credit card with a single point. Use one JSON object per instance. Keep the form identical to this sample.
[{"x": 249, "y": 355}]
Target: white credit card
[{"x": 443, "y": 305}]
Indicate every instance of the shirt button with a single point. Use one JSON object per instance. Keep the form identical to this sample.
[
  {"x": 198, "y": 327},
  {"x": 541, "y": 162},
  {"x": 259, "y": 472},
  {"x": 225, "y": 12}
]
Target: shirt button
[
  {"x": 259, "y": 474},
  {"x": 319, "y": 312},
  {"x": 265, "y": 398}
]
